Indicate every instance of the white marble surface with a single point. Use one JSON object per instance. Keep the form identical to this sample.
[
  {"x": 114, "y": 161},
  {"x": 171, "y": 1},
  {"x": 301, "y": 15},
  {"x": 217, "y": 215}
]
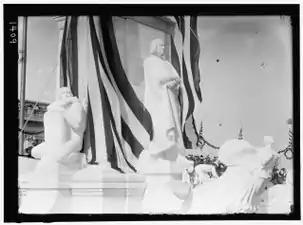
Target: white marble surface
[{"x": 94, "y": 189}]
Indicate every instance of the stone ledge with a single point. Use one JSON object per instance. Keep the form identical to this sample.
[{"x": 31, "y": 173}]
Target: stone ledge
[
  {"x": 92, "y": 181},
  {"x": 93, "y": 189},
  {"x": 96, "y": 173},
  {"x": 104, "y": 181}
]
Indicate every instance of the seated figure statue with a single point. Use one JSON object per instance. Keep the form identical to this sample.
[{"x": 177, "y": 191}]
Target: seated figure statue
[
  {"x": 239, "y": 189},
  {"x": 64, "y": 126}
]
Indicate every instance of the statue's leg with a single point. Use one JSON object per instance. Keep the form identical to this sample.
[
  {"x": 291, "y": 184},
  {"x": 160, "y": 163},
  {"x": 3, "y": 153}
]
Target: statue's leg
[
  {"x": 39, "y": 151},
  {"x": 43, "y": 187},
  {"x": 71, "y": 148}
]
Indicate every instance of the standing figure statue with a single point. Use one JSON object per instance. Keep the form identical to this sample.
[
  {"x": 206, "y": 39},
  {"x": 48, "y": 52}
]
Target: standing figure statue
[
  {"x": 64, "y": 126},
  {"x": 163, "y": 162},
  {"x": 161, "y": 87}
]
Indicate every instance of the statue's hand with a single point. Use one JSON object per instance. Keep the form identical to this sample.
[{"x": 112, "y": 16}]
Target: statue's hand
[
  {"x": 68, "y": 101},
  {"x": 75, "y": 117},
  {"x": 174, "y": 84}
]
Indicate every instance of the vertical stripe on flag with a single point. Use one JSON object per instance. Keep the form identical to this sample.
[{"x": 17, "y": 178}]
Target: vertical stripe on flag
[
  {"x": 190, "y": 51},
  {"x": 106, "y": 107},
  {"x": 69, "y": 56},
  {"x": 63, "y": 56},
  {"x": 114, "y": 61},
  {"x": 195, "y": 55},
  {"x": 176, "y": 64},
  {"x": 127, "y": 124},
  {"x": 185, "y": 76},
  {"x": 175, "y": 61},
  {"x": 129, "y": 115},
  {"x": 69, "y": 78},
  {"x": 73, "y": 72},
  {"x": 110, "y": 82},
  {"x": 89, "y": 135},
  {"x": 135, "y": 118}
]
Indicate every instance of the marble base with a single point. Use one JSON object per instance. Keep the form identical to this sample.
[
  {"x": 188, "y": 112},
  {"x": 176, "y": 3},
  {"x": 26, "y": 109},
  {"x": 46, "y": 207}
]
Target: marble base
[
  {"x": 94, "y": 190},
  {"x": 97, "y": 189}
]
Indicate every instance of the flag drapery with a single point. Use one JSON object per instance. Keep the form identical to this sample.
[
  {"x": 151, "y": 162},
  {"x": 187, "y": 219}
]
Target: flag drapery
[
  {"x": 119, "y": 127},
  {"x": 187, "y": 53}
]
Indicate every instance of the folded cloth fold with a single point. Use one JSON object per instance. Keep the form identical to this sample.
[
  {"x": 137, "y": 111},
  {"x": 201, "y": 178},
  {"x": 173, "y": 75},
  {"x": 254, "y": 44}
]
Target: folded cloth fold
[{"x": 240, "y": 187}]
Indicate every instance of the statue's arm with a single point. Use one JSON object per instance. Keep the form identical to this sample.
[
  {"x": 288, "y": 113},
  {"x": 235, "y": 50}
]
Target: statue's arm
[
  {"x": 73, "y": 145},
  {"x": 75, "y": 115},
  {"x": 172, "y": 76},
  {"x": 161, "y": 72},
  {"x": 267, "y": 155}
]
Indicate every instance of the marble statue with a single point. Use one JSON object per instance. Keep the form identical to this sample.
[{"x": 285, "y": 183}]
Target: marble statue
[
  {"x": 64, "y": 123},
  {"x": 64, "y": 126},
  {"x": 161, "y": 87},
  {"x": 240, "y": 187},
  {"x": 278, "y": 199},
  {"x": 163, "y": 162}
]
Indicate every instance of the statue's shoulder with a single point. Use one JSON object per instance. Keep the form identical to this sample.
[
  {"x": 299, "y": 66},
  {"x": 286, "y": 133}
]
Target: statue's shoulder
[
  {"x": 55, "y": 106},
  {"x": 148, "y": 59},
  {"x": 152, "y": 59}
]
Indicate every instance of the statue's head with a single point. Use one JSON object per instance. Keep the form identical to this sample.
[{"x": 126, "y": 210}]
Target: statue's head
[
  {"x": 63, "y": 93},
  {"x": 157, "y": 47}
]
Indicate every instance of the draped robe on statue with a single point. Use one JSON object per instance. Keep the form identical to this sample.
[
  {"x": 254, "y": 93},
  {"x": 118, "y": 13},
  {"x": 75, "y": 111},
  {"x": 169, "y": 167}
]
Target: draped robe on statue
[
  {"x": 163, "y": 173},
  {"x": 157, "y": 100},
  {"x": 63, "y": 129}
]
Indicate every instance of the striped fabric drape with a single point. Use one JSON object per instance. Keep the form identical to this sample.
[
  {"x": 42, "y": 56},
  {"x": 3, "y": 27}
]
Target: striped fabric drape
[
  {"x": 69, "y": 56},
  {"x": 187, "y": 53},
  {"x": 119, "y": 127},
  {"x": 134, "y": 120},
  {"x": 126, "y": 125}
]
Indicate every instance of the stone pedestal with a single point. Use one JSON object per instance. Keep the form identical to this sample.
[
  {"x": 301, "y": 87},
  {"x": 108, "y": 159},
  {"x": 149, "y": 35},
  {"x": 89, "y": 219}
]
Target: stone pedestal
[
  {"x": 103, "y": 190},
  {"x": 94, "y": 189}
]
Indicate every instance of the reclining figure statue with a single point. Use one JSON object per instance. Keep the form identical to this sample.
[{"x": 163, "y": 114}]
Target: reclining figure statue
[
  {"x": 278, "y": 199},
  {"x": 239, "y": 188}
]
